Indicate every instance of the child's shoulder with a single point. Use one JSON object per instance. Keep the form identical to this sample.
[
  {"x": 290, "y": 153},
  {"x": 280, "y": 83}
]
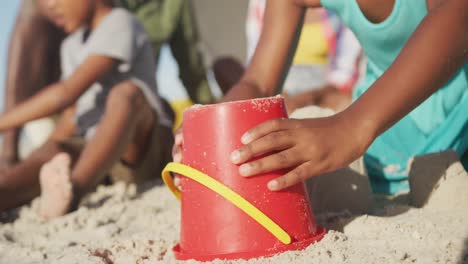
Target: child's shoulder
[
  {"x": 118, "y": 32},
  {"x": 121, "y": 17},
  {"x": 120, "y": 13}
]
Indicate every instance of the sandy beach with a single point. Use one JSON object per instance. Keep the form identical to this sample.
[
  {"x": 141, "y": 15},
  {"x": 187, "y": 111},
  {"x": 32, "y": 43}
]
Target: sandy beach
[{"x": 120, "y": 224}]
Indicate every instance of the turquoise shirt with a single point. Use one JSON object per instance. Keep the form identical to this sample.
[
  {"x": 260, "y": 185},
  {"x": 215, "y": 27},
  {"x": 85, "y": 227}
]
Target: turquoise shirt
[{"x": 440, "y": 123}]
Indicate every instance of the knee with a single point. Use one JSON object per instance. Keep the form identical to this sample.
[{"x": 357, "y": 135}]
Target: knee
[{"x": 127, "y": 94}]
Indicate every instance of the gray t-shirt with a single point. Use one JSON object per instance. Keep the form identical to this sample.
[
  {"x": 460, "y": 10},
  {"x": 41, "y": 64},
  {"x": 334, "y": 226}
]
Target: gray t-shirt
[{"x": 120, "y": 36}]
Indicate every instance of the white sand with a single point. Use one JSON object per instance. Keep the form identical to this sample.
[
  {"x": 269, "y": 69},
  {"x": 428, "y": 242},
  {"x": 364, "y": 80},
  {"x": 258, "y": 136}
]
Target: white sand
[{"x": 119, "y": 225}]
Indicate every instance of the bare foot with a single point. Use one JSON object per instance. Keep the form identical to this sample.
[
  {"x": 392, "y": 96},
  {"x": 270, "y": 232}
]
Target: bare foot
[{"x": 56, "y": 188}]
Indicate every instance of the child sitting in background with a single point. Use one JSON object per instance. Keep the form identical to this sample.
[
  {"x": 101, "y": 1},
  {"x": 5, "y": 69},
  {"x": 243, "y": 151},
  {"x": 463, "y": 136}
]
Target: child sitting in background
[{"x": 112, "y": 114}]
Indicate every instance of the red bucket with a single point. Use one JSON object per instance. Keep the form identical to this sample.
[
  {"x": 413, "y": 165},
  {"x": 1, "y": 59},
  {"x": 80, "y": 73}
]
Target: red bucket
[{"x": 214, "y": 227}]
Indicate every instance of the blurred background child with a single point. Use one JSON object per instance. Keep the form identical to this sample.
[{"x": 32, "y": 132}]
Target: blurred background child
[
  {"x": 112, "y": 114},
  {"x": 34, "y": 48}
]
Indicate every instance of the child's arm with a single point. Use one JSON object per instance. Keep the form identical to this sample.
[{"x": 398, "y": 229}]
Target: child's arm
[
  {"x": 435, "y": 52},
  {"x": 58, "y": 96},
  {"x": 273, "y": 55},
  {"x": 431, "y": 57}
]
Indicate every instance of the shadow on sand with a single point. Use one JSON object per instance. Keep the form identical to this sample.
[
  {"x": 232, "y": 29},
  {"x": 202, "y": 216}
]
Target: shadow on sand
[{"x": 339, "y": 197}]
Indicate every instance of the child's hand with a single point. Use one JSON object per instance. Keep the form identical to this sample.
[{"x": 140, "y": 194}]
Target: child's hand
[
  {"x": 177, "y": 148},
  {"x": 309, "y": 146}
]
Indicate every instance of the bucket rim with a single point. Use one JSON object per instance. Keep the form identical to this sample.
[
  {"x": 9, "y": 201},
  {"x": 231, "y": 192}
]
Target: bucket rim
[
  {"x": 297, "y": 245},
  {"x": 207, "y": 106}
]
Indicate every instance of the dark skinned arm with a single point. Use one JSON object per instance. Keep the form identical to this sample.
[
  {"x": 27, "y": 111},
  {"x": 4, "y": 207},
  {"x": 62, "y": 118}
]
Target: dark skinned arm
[
  {"x": 58, "y": 96},
  {"x": 316, "y": 146},
  {"x": 273, "y": 55},
  {"x": 408, "y": 82}
]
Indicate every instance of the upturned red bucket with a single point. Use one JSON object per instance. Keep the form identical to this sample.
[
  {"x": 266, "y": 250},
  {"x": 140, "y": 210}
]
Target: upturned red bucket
[{"x": 212, "y": 227}]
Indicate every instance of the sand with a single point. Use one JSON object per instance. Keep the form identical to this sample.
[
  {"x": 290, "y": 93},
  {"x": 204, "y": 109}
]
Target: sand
[{"x": 118, "y": 224}]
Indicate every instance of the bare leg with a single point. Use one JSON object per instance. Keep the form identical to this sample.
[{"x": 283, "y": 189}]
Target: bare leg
[
  {"x": 19, "y": 184},
  {"x": 121, "y": 133}
]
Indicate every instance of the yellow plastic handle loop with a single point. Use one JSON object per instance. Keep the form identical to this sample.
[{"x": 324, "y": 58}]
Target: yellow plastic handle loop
[{"x": 225, "y": 192}]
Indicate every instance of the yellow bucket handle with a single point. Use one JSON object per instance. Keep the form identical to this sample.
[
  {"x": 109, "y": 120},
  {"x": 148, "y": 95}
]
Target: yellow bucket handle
[{"x": 225, "y": 192}]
